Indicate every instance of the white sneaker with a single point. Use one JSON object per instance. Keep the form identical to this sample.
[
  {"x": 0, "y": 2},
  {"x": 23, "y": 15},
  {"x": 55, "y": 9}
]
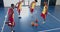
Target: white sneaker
[
  {"x": 19, "y": 16},
  {"x": 12, "y": 31},
  {"x": 43, "y": 22}
]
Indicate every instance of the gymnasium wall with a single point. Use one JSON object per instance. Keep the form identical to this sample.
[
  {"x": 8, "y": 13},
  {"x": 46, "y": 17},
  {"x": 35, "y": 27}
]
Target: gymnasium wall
[
  {"x": 58, "y": 2},
  {"x": 7, "y": 3},
  {"x": 38, "y": 3}
]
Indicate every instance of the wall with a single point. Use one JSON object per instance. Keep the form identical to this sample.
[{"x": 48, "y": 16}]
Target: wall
[
  {"x": 7, "y": 3},
  {"x": 38, "y": 3},
  {"x": 58, "y": 2}
]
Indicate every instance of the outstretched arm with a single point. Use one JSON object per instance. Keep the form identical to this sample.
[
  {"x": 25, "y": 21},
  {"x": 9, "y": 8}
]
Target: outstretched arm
[{"x": 16, "y": 5}]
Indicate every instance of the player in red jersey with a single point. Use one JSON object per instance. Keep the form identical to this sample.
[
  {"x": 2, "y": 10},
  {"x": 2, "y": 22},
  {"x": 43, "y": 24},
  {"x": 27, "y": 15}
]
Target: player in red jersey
[{"x": 10, "y": 17}]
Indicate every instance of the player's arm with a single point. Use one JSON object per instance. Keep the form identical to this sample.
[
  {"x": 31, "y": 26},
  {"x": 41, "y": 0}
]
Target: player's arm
[
  {"x": 16, "y": 5},
  {"x": 35, "y": 4},
  {"x": 13, "y": 15}
]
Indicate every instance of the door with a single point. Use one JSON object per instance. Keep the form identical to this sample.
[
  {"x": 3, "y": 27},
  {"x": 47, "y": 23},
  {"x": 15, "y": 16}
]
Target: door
[
  {"x": 1, "y": 3},
  {"x": 42, "y": 2},
  {"x": 28, "y": 2},
  {"x": 52, "y": 2}
]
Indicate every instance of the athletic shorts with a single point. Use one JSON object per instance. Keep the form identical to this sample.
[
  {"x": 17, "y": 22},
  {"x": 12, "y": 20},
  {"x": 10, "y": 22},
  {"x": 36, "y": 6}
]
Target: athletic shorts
[
  {"x": 31, "y": 10},
  {"x": 11, "y": 22},
  {"x": 43, "y": 15}
]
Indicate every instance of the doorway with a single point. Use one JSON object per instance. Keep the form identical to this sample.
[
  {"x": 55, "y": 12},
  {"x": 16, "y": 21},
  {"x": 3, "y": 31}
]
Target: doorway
[
  {"x": 1, "y": 3},
  {"x": 42, "y": 2},
  {"x": 52, "y": 2}
]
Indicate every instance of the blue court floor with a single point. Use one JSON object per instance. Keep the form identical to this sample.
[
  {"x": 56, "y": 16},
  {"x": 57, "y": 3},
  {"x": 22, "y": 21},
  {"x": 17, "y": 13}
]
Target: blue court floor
[{"x": 52, "y": 23}]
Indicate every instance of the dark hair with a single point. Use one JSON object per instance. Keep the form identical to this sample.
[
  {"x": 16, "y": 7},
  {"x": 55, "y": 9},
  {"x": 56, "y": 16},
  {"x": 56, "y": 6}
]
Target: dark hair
[
  {"x": 35, "y": 0},
  {"x": 12, "y": 5}
]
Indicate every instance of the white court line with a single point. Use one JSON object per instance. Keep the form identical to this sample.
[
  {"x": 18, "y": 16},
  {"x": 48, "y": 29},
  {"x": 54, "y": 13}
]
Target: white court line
[
  {"x": 50, "y": 30},
  {"x": 54, "y": 17},
  {"x": 54, "y": 28},
  {"x": 4, "y": 23}
]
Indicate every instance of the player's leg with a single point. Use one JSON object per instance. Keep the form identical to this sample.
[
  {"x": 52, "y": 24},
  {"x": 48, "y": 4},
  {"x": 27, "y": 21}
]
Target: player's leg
[
  {"x": 43, "y": 16},
  {"x": 19, "y": 11},
  {"x": 31, "y": 10},
  {"x": 12, "y": 25}
]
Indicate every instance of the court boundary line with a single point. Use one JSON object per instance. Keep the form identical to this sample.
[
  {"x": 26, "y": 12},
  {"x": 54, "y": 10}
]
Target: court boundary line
[
  {"x": 54, "y": 17},
  {"x": 54, "y": 28},
  {"x": 50, "y": 30},
  {"x": 40, "y": 31},
  {"x": 4, "y": 23}
]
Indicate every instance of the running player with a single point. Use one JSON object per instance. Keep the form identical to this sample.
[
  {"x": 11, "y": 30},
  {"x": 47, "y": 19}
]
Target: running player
[
  {"x": 10, "y": 17},
  {"x": 44, "y": 12},
  {"x": 32, "y": 6},
  {"x": 19, "y": 7}
]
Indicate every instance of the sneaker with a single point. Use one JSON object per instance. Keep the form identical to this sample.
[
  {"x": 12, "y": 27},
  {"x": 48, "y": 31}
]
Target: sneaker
[
  {"x": 43, "y": 22},
  {"x": 19, "y": 16},
  {"x": 13, "y": 31}
]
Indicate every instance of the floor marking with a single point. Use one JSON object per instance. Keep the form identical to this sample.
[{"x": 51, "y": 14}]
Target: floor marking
[
  {"x": 50, "y": 30},
  {"x": 54, "y": 17},
  {"x": 4, "y": 23},
  {"x": 54, "y": 28}
]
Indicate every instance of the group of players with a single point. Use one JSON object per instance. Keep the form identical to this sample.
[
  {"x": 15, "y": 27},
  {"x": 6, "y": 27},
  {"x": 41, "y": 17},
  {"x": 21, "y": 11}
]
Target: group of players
[
  {"x": 11, "y": 22},
  {"x": 43, "y": 15}
]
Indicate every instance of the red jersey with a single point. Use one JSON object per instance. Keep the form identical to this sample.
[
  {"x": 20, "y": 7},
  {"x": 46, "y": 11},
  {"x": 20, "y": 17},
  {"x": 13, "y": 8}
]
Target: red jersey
[{"x": 10, "y": 14}]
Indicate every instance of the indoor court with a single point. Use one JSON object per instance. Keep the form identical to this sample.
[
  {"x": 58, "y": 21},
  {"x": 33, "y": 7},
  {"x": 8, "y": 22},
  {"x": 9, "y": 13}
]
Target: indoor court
[{"x": 52, "y": 23}]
